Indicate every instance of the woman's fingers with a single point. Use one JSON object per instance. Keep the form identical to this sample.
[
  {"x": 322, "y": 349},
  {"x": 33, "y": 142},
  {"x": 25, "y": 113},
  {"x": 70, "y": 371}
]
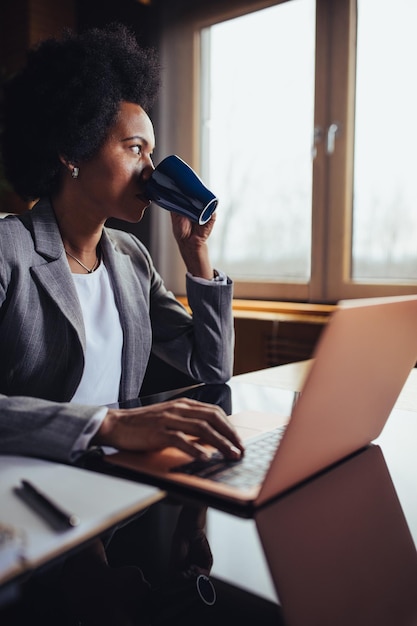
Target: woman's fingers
[
  {"x": 182, "y": 423},
  {"x": 180, "y": 419},
  {"x": 180, "y": 430},
  {"x": 199, "y": 414}
]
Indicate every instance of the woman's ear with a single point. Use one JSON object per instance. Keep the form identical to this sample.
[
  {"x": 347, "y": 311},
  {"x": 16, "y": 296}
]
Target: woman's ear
[{"x": 64, "y": 160}]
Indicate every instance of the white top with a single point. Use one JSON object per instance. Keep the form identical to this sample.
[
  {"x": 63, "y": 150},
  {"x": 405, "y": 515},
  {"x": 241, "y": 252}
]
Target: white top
[{"x": 104, "y": 339}]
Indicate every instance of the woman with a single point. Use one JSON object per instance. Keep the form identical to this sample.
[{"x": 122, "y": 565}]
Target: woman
[{"x": 82, "y": 306}]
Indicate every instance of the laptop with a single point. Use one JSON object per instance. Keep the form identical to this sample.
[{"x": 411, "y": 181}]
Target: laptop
[{"x": 360, "y": 364}]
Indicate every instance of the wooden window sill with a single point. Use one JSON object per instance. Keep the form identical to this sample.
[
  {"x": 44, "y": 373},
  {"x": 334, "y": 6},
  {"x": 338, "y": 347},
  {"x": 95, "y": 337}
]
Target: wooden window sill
[
  {"x": 278, "y": 310},
  {"x": 269, "y": 333}
]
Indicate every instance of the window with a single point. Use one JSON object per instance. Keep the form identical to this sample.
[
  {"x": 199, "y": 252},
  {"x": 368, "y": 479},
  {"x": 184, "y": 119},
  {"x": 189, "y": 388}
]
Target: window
[
  {"x": 256, "y": 140},
  {"x": 385, "y": 165},
  {"x": 300, "y": 116}
]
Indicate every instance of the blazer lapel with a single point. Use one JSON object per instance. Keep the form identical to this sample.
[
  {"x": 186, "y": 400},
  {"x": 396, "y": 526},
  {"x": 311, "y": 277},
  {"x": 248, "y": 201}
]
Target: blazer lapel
[{"x": 55, "y": 276}]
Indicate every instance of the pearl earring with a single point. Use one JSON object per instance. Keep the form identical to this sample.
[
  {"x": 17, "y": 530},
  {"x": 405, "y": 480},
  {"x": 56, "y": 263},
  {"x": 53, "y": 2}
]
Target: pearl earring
[{"x": 75, "y": 172}]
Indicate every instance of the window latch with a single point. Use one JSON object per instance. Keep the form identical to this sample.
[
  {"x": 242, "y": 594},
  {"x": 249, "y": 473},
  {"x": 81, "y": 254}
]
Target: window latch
[{"x": 332, "y": 132}]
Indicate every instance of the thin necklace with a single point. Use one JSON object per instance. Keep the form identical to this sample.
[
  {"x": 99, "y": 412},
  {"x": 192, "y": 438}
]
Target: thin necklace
[{"x": 89, "y": 271}]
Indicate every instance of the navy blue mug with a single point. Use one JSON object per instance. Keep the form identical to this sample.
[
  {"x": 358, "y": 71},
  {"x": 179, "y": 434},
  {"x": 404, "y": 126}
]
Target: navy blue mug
[{"x": 176, "y": 187}]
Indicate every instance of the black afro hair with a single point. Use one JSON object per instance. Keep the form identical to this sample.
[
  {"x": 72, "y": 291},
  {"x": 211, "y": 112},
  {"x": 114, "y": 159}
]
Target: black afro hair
[{"x": 65, "y": 100}]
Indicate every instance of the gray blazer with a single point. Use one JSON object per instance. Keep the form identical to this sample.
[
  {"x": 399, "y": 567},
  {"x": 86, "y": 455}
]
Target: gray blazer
[{"x": 42, "y": 339}]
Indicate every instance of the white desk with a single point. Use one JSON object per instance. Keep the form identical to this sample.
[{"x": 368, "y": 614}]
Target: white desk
[
  {"x": 291, "y": 377},
  {"x": 100, "y": 501}
]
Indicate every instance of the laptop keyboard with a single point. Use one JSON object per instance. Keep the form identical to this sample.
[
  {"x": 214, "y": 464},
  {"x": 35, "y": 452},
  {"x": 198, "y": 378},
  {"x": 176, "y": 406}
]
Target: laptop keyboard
[{"x": 248, "y": 471}]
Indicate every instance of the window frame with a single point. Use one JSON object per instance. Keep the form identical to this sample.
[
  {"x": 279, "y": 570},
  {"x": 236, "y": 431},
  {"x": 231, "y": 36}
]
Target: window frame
[{"x": 178, "y": 131}]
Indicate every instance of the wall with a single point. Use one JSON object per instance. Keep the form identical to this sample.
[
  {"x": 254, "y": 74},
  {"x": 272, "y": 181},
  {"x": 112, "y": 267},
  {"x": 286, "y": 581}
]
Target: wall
[
  {"x": 23, "y": 23},
  {"x": 262, "y": 343}
]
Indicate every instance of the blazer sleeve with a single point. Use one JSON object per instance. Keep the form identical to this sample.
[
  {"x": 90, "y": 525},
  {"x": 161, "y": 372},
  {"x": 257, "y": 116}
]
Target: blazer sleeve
[
  {"x": 34, "y": 427},
  {"x": 202, "y": 344}
]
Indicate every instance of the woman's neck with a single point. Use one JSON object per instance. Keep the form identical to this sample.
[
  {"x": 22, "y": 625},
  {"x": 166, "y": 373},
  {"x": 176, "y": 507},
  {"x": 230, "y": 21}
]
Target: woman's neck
[
  {"x": 80, "y": 235},
  {"x": 79, "y": 228}
]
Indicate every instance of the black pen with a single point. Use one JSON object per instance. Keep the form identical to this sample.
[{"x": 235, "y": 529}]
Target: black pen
[{"x": 53, "y": 514}]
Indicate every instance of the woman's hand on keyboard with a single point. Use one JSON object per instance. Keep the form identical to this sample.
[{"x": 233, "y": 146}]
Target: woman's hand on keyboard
[{"x": 182, "y": 423}]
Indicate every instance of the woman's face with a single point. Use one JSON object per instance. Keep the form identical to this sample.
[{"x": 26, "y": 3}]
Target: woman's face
[{"x": 112, "y": 182}]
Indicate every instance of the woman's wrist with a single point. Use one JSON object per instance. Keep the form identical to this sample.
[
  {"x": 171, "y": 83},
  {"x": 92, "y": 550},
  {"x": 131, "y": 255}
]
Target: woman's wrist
[
  {"x": 199, "y": 265},
  {"x": 105, "y": 434}
]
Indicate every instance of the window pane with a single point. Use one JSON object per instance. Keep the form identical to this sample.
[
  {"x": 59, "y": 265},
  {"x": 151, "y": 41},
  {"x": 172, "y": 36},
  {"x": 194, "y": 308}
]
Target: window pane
[
  {"x": 385, "y": 174},
  {"x": 258, "y": 116}
]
